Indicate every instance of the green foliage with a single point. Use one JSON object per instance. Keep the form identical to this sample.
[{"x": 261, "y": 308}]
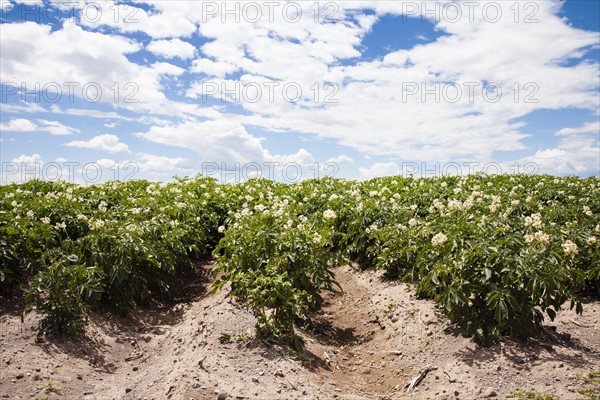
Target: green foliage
[
  {"x": 531, "y": 395},
  {"x": 497, "y": 253}
]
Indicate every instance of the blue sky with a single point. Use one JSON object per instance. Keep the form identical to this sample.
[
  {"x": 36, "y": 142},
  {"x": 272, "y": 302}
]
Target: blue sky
[{"x": 355, "y": 89}]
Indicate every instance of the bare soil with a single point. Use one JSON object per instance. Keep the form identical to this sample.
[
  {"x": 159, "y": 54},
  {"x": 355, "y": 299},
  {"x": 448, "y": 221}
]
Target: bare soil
[{"x": 366, "y": 344}]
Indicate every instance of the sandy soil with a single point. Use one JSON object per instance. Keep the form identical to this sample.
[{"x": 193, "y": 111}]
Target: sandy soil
[{"x": 367, "y": 344}]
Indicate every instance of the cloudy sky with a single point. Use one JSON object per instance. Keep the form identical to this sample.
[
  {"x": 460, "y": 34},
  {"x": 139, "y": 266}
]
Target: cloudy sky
[{"x": 350, "y": 88}]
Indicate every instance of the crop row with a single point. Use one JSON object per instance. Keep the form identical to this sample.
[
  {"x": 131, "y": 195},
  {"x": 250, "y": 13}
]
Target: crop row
[{"x": 497, "y": 253}]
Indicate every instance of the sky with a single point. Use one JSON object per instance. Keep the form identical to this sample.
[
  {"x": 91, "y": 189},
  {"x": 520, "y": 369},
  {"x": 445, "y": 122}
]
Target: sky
[{"x": 96, "y": 90}]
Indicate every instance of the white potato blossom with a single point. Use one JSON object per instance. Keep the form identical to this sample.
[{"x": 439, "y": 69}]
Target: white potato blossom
[
  {"x": 591, "y": 239},
  {"x": 372, "y": 228},
  {"x": 60, "y": 225},
  {"x": 570, "y": 248},
  {"x": 329, "y": 214},
  {"x": 587, "y": 211},
  {"x": 14, "y": 204},
  {"x": 180, "y": 205},
  {"x": 542, "y": 237},
  {"x": 221, "y": 229},
  {"x": 95, "y": 224},
  {"x": 30, "y": 214},
  {"x": 455, "y": 205},
  {"x": 45, "y": 220},
  {"x": 317, "y": 238},
  {"x": 534, "y": 220},
  {"x": 438, "y": 239},
  {"x": 259, "y": 207},
  {"x": 412, "y": 222},
  {"x": 333, "y": 197}
]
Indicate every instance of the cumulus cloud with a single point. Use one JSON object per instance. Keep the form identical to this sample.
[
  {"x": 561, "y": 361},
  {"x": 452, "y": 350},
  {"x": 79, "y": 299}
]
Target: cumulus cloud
[
  {"x": 379, "y": 169},
  {"x": 107, "y": 142},
  {"x": 341, "y": 159},
  {"x": 221, "y": 141},
  {"x": 172, "y": 48},
  {"x": 41, "y": 125}
]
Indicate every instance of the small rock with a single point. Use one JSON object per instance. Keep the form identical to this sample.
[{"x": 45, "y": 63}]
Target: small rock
[
  {"x": 489, "y": 393},
  {"x": 135, "y": 368},
  {"x": 456, "y": 393},
  {"x": 20, "y": 375},
  {"x": 255, "y": 380},
  {"x": 279, "y": 373},
  {"x": 127, "y": 390},
  {"x": 222, "y": 396}
]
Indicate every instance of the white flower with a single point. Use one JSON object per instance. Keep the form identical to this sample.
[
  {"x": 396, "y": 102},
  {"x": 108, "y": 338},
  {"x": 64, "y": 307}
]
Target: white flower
[
  {"x": 259, "y": 207},
  {"x": 333, "y": 197},
  {"x": 14, "y": 203},
  {"x": 95, "y": 224},
  {"x": 457, "y": 190},
  {"x": 444, "y": 184},
  {"x": 45, "y": 220},
  {"x": 73, "y": 258},
  {"x": 329, "y": 214},
  {"x": 412, "y": 222},
  {"x": 570, "y": 248},
  {"x": 454, "y": 205},
  {"x": 221, "y": 229},
  {"x": 60, "y": 225},
  {"x": 180, "y": 205},
  {"x": 30, "y": 214},
  {"x": 591, "y": 239},
  {"x": 529, "y": 238},
  {"x": 438, "y": 239},
  {"x": 534, "y": 220},
  {"x": 413, "y": 207},
  {"x": 541, "y": 237},
  {"x": 316, "y": 238}
]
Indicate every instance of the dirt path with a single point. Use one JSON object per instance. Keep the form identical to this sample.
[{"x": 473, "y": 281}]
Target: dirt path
[{"x": 366, "y": 344}]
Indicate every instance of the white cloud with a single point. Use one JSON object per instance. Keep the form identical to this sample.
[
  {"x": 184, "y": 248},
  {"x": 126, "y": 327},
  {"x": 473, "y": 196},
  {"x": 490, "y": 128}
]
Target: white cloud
[
  {"x": 156, "y": 166},
  {"x": 379, "y": 169},
  {"x": 42, "y": 125},
  {"x": 19, "y": 125},
  {"x": 107, "y": 142},
  {"x": 172, "y": 48},
  {"x": 34, "y": 159},
  {"x": 341, "y": 159},
  {"x": 589, "y": 127},
  {"x": 212, "y": 68},
  {"x": 221, "y": 141}
]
